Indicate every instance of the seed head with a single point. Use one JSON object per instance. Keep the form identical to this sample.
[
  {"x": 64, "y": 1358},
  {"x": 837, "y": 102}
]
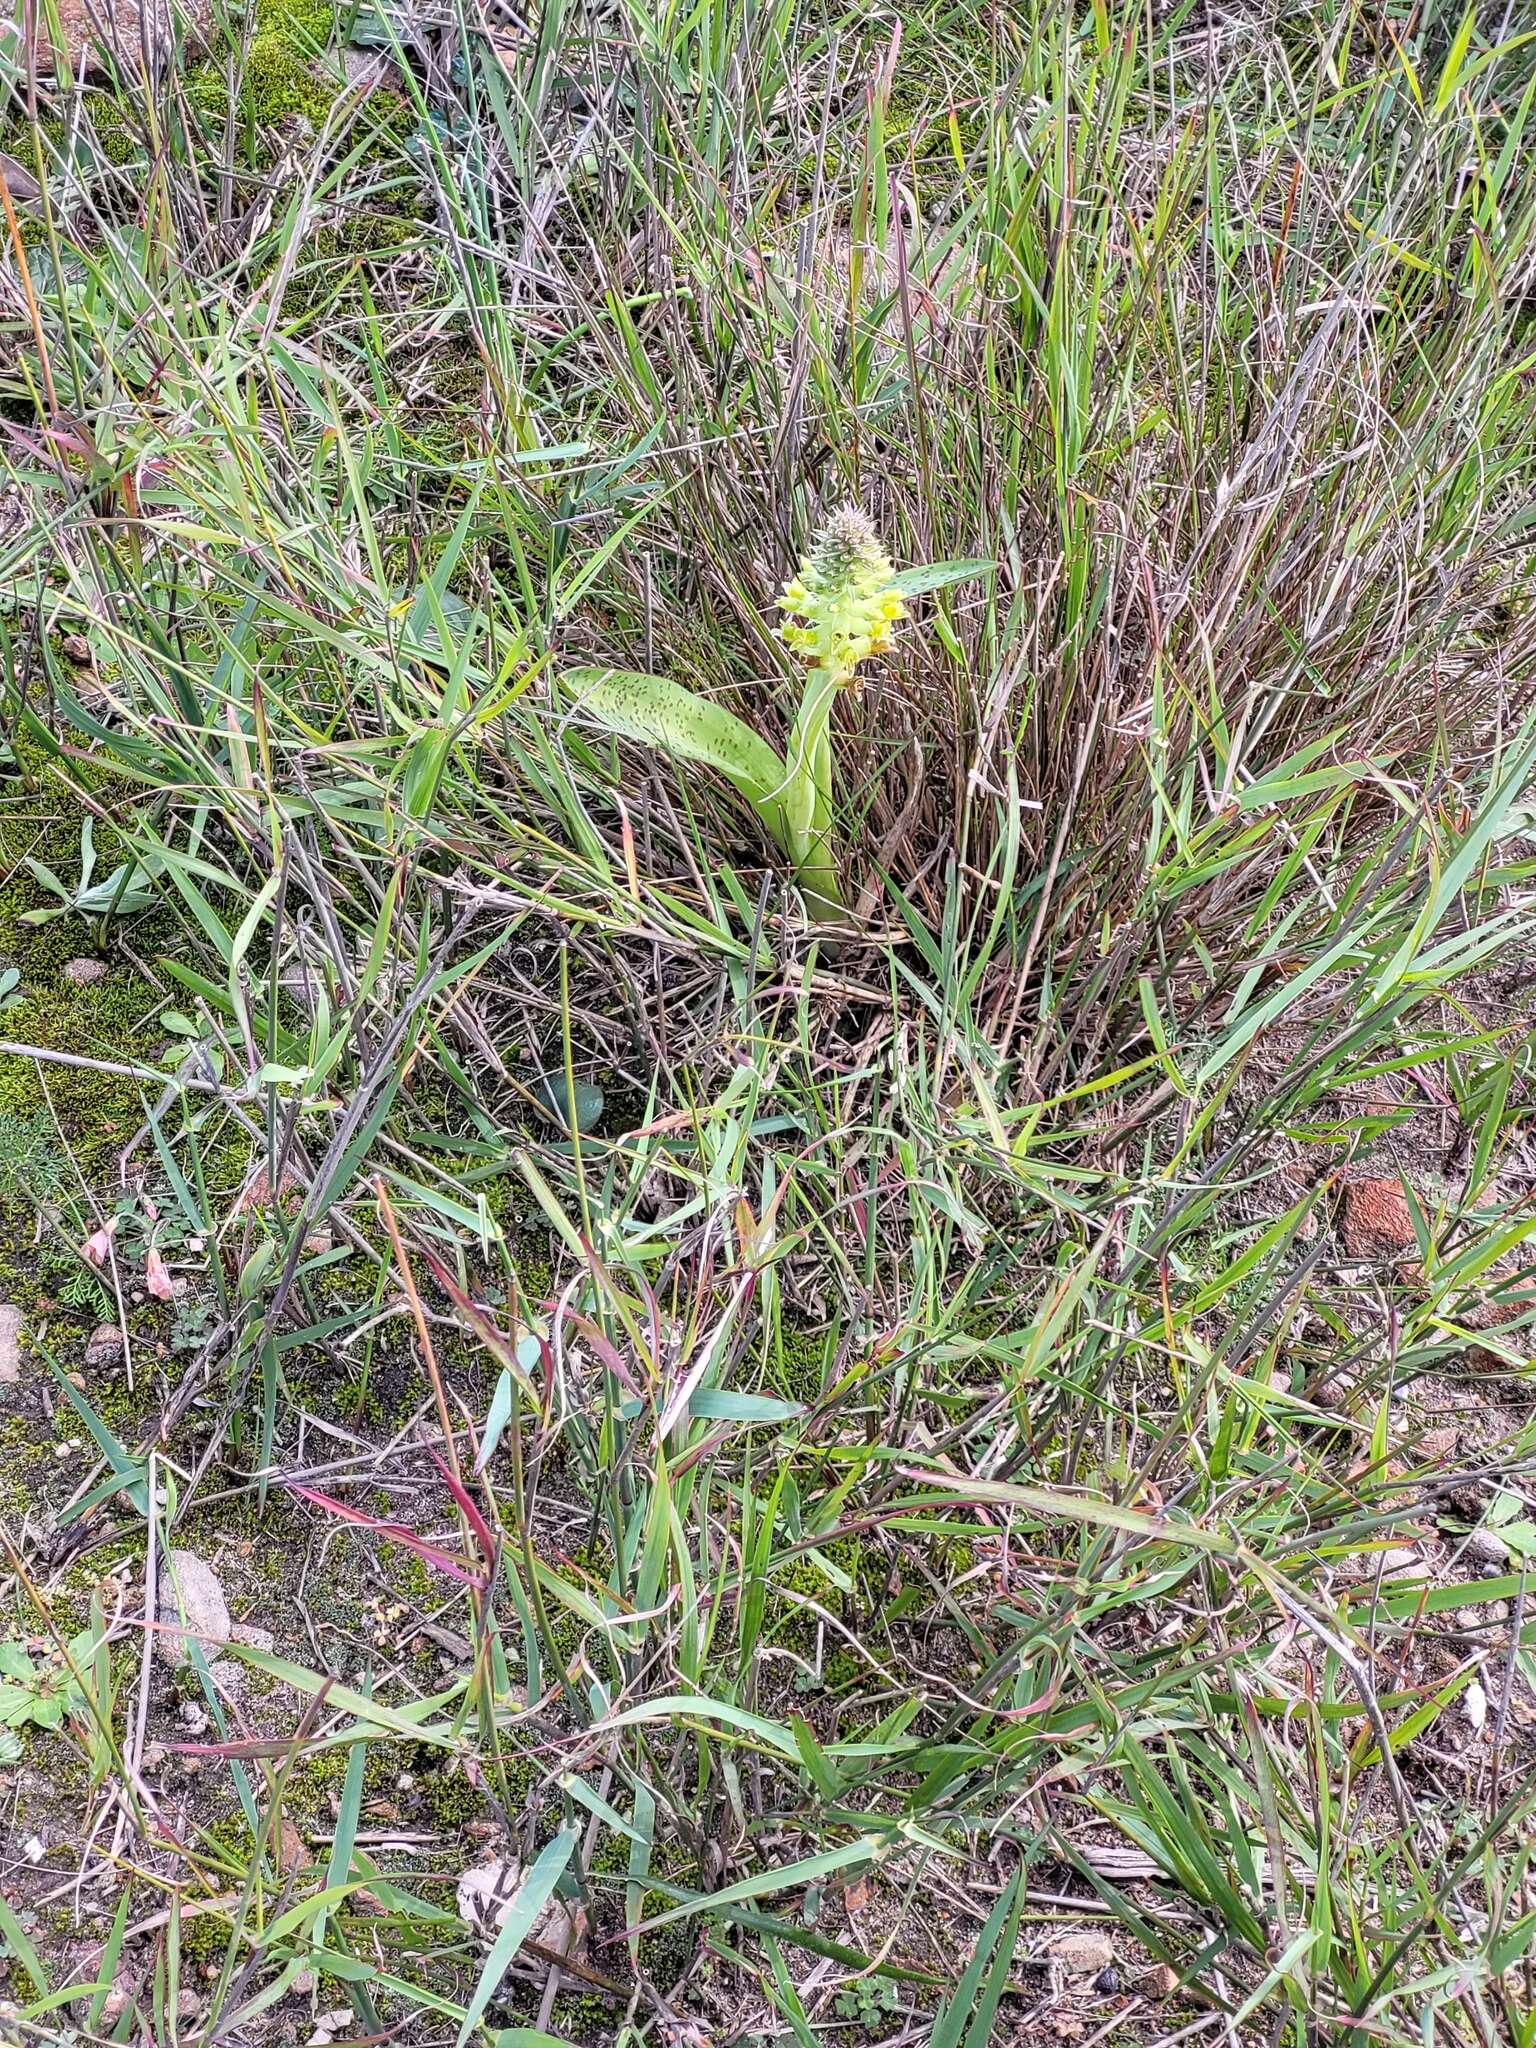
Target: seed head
[{"x": 843, "y": 604}]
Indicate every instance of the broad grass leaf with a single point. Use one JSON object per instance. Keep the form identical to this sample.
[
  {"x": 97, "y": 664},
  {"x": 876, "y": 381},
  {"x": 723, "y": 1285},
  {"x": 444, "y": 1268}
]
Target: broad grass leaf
[
  {"x": 497, "y": 1417},
  {"x": 661, "y": 713},
  {"x": 532, "y": 1896},
  {"x": 723, "y": 1404},
  {"x": 939, "y": 576},
  {"x": 20, "y": 1949}
]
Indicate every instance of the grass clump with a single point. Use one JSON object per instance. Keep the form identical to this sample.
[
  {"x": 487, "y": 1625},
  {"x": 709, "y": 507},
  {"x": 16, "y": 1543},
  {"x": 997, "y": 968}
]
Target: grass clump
[{"x": 1008, "y": 1442}]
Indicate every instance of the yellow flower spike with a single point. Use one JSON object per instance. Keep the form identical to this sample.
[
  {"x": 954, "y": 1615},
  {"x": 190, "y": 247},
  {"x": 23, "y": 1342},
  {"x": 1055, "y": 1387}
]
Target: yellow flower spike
[{"x": 842, "y": 604}]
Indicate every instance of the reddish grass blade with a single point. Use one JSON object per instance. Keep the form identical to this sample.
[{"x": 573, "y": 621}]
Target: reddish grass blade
[{"x": 396, "y": 1532}]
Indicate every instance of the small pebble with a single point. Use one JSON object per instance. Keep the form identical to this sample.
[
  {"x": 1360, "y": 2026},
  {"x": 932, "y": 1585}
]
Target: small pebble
[
  {"x": 1082, "y": 1950},
  {"x": 84, "y": 970},
  {"x": 1335, "y": 1393},
  {"x": 1487, "y": 1546},
  {"x": 227, "y": 1678},
  {"x": 1398, "y": 1561},
  {"x": 104, "y": 1346},
  {"x": 1482, "y": 1614}
]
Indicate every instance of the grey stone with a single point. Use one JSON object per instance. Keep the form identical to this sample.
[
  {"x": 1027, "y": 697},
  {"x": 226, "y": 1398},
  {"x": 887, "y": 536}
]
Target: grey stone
[
  {"x": 202, "y": 1600},
  {"x": 1084, "y": 1951},
  {"x": 12, "y": 1323}
]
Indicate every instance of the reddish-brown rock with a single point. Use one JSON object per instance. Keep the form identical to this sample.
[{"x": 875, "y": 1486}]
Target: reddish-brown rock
[
  {"x": 1377, "y": 1221},
  {"x": 124, "y": 26},
  {"x": 1499, "y": 1315}
]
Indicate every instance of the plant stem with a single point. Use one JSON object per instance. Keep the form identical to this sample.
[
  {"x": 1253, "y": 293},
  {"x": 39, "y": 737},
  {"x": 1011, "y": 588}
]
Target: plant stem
[{"x": 807, "y": 803}]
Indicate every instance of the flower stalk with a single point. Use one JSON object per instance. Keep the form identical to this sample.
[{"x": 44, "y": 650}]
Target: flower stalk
[{"x": 840, "y": 610}]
